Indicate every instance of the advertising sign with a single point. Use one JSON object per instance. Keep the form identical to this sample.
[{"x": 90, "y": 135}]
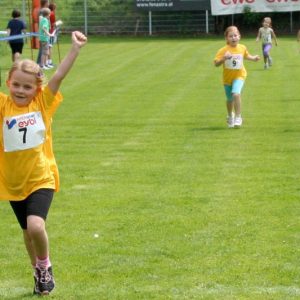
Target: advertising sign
[
  {"x": 172, "y": 5},
  {"x": 228, "y": 7}
]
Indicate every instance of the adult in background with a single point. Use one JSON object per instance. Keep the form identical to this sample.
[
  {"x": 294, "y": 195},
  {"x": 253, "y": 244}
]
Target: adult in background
[{"x": 16, "y": 26}]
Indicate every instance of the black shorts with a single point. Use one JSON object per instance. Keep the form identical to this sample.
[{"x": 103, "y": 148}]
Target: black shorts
[
  {"x": 16, "y": 47},
  {"x": 36, "y": 204}
]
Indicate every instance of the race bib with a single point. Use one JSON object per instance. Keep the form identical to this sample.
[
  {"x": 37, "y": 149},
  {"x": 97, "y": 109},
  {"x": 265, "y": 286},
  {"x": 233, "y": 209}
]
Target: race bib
[
  {"x": 267, "y": 39},
  {"x": 235, "y": 62},
  {"x": 23, "y": 132}
]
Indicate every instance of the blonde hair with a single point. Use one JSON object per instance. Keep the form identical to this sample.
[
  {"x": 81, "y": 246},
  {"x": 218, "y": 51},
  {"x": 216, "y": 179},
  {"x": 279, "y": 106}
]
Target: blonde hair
[
  {"x": 45, "y": 12},
  {"x": 231, "y": 28},
  {"x": 30, "y": 67}
]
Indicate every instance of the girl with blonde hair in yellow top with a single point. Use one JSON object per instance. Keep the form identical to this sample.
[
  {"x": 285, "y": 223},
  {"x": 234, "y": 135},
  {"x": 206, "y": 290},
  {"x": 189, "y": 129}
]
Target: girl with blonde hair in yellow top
[
  {"x": 231, "y": 57},
  {"x": 28, "y": 173}
]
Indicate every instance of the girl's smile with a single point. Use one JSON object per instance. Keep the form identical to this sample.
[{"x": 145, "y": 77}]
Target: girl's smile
[{"x": 22, "y": 87}]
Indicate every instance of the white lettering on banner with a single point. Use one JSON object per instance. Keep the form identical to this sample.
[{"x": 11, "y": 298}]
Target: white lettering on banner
[
  {"x": 228, "y": 7},
  {"x": 154, "y": 3}
]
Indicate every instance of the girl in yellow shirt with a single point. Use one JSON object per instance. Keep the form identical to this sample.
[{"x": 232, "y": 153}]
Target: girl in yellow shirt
[
  {"x": 28, "y": 173},
  {"x": 234, "y": 73}
]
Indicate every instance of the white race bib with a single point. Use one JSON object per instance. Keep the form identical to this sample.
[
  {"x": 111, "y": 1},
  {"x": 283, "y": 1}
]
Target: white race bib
[
  {"x": 266, "y": 36},
  {"x": 235, "y": 62},
  {"x": 23, "y": 132}
]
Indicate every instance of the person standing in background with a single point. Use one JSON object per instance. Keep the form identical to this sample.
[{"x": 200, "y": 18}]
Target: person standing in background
[
  {"x": 44, "y": 27},
  {"x": 44, "y": 4}
]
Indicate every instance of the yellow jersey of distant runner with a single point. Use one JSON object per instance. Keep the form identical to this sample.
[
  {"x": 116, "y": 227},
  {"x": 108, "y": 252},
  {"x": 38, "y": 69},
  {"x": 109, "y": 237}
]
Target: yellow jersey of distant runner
[
  {"x": 26, "y": 154},
  {"x": 233, "y": 68}
]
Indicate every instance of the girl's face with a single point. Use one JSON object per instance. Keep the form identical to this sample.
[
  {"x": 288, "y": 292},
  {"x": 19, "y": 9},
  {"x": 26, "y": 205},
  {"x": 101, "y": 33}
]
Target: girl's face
[
  {"x": 23, "y": 87},
  {"x": 266, "y": 24},
  {"x": 233, "y": 37}
]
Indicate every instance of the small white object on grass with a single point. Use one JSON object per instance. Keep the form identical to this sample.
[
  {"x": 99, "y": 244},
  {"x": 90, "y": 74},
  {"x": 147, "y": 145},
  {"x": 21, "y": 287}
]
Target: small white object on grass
[{"x": 96, "y": 235}]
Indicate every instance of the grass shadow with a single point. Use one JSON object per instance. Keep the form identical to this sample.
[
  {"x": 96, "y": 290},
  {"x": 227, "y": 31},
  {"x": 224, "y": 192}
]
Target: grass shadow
[
  {"x": 211, "y": 128},
  {"x": 291, "y": 99},
  {"x": 28, "y": 295}
]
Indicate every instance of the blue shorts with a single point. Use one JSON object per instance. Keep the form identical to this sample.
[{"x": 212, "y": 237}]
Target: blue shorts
[{"x": 235, "y": 88}]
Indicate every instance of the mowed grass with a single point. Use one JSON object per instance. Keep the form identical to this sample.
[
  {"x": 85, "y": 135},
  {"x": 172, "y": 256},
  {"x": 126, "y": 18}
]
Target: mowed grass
[{"x": 184, "y": 207}]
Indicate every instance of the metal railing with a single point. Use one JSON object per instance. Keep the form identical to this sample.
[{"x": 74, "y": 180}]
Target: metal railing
[
  {"x": 83, "y": 16},
  {"x": 118, "y": 18}
]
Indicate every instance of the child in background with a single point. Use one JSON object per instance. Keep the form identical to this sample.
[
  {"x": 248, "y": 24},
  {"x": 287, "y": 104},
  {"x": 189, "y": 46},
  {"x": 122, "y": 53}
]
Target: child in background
[
  {"x": 52, "y": 19},
  {"x": 16, "y": 26},
  {"x": 266, "y": 34},
  {"x": 28, "y": 173},
  {"x": 44, "y": 33},
  {"x": 43, "y": 4},
  {"x": 234, "y": 73}
]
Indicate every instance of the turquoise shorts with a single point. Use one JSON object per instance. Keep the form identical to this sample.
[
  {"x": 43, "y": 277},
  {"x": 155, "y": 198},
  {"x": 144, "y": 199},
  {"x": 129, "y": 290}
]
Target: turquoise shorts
[{"x": 235, "y": 88}]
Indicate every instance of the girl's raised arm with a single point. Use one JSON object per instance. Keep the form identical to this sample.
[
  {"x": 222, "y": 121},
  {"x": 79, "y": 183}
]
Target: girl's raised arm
[{"x": 78, "y": 41}]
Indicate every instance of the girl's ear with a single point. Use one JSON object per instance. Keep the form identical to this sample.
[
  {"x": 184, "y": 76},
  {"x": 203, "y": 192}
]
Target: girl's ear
[{"x": 7, "y": 83}]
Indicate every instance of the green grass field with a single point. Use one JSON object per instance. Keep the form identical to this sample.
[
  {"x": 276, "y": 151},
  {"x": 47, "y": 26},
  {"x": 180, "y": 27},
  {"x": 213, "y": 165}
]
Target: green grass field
[{"x": 184, "y": 207}]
